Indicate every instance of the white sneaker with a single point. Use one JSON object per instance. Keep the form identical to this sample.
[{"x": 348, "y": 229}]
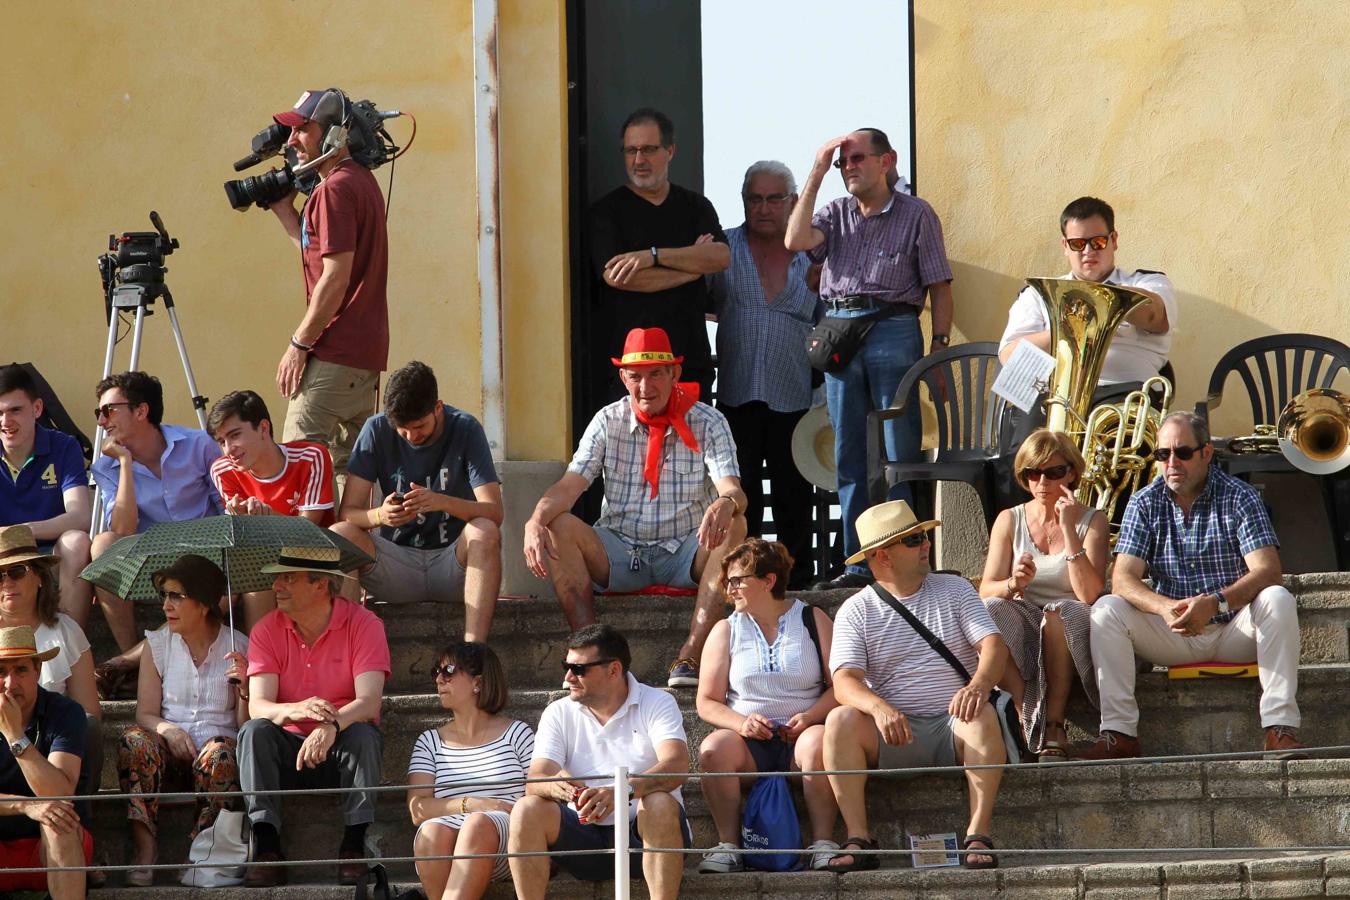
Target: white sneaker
[
  {"x": 719, "y": 859},
  {"x": 824, "y": 852}
]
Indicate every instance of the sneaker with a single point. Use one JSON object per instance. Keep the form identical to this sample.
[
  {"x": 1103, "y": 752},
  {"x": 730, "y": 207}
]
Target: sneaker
[
  {"x": 720, "y": 859},
  {"x": 846, "y": 582},
  {"x": 1282, "y": 743},
  {"x": 823, "y": 852},
  {"x": 683, "y": 673},
  {"x": 1110, "y": 745}
]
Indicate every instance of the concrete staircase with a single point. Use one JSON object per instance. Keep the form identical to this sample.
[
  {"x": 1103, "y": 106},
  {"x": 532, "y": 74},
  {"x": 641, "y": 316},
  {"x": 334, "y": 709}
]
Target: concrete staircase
[{"x": 1048, "y": 810}]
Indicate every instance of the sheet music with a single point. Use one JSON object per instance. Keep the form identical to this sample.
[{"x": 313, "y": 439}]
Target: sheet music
[{"x": 1024, "y": 375}]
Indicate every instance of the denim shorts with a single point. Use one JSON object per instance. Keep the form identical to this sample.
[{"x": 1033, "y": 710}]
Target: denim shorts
[
  {"x": 655, "y": 564},
  {"x": 572, "y": 835}
]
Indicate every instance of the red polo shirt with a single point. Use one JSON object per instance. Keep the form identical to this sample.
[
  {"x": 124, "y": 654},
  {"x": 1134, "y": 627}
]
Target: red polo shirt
[{"x": 352, "y": 643}]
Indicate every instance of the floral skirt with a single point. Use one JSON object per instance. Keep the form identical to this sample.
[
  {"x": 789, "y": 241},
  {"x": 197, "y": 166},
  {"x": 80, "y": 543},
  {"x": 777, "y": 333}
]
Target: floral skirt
[{"x": 145, "y": 766}]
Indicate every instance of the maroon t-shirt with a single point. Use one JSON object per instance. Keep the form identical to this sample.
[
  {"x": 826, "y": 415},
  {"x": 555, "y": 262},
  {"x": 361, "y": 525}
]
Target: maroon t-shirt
[{"x": 346, "y": 214}]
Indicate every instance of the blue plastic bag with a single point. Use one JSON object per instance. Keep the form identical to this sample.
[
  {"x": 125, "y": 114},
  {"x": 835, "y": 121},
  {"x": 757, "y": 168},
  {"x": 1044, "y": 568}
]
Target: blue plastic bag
[{"x": 770, "y": 823}]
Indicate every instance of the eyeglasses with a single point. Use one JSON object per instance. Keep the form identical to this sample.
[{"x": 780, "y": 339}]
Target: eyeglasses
[
  {"x": 644, "y": 150},
  {"x": 761, "y": 200},
  {"x": 16, "y": 573},
  {"x": 1098, "y": 242},
  {"x": 446, "y": 671},
  {"x": 854, "y": 160},
  {"x": 1183, "y": 453},
  {"x": 735, "y": 582},
  {"x": 1054, "y": 473},
  {"x": 102, "y": 412},
  {"x": 172, "y": 596},
  {"x": 578, "y": 670}
]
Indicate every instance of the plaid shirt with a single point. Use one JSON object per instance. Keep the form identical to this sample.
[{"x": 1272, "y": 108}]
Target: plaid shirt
[
  {"x": 891, "y": 256},
  {"x": 1205, "y": 553},
  {"x": 615, "y": 444},
  {"x": 761, "y": 341}
]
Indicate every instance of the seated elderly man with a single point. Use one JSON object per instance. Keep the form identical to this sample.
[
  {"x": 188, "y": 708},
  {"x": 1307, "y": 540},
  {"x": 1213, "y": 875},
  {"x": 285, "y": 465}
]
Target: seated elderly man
[
  {"x": 1205, "y": 540},
  {"x": 607, "y": 719},
  {"x": 902, "y": 704},
  {"x": 41, "y": 756},
  {"x": 317, "y": 666},
  {"x": 662, "y": 523}
]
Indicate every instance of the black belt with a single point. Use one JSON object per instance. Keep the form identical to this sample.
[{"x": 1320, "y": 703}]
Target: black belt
[{"x": 862, "y": 301}]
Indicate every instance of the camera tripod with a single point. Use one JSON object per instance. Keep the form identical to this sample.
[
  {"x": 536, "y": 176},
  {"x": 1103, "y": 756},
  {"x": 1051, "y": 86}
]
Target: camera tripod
[{"x": 139, "y": 297}]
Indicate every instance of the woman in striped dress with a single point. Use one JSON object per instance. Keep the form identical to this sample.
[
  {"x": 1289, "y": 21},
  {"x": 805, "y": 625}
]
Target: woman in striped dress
[
  {"x": 1046, "y": 567},
  {"x": 477, "y": 745},
  {"x": 765, "y": 688}
]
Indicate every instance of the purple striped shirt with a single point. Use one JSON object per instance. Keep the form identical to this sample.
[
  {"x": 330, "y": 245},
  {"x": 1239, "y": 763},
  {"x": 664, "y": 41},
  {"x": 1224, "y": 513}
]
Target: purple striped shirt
[{"x": 892, "y": 256}]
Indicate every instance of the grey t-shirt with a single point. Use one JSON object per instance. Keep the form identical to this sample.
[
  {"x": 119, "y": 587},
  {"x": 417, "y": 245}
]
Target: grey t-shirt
[{"x": 454, "y": 464}]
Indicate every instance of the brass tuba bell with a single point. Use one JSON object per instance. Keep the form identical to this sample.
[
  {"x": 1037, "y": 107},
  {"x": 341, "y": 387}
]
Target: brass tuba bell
[{"x": 1314, "y": 431}]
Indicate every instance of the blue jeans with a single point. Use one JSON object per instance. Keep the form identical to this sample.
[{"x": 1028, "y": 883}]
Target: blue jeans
[{"x": 869, "y": 382}]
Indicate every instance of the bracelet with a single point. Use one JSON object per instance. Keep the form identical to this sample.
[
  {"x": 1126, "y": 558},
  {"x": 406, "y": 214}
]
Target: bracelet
[
  {"x": 379, "y": 517},
  {"x": 463, "y": 806},
  {"x": 734, "y": 505},
  {"x": 656, "y": 258},
  {"x": 301, "y": 347},
  {"x": 1082, "y": 551}
]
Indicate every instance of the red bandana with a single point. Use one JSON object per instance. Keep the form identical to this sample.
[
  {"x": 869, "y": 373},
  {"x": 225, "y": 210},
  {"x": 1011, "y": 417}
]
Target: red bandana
[{"x": 682, "y": 398}]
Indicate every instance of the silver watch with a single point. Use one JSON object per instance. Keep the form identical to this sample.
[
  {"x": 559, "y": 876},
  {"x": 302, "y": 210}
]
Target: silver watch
[{"x": 18, "y": 747}]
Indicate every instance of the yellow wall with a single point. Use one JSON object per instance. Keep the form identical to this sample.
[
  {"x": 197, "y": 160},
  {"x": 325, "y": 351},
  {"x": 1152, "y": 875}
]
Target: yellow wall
[
  {"x": 111, "y": 112},
  {"x": 1217, "y": 130}
]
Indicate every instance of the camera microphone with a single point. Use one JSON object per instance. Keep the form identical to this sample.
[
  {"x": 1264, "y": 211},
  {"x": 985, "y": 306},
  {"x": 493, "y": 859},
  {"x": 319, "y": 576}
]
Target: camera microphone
[{"x": 250, "y": 161}]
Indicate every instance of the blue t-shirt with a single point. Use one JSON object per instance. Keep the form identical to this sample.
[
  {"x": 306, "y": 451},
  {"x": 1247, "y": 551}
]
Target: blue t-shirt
[
  {"x": 57, "y": 464},
  {"x": 454, "y": 464},
  {"x": 58, "y": 726}
]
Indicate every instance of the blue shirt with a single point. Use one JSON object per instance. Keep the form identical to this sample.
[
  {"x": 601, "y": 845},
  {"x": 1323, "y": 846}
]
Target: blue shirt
[
  {"x": 183, "y": 488},
  {"x": 453, "y": 464},
  {"x": 56, "y": 466},
  {"x": 761, "y": 341},
  {"x": 58, "y": 726},
  {"x": 1203, "y": 552}
]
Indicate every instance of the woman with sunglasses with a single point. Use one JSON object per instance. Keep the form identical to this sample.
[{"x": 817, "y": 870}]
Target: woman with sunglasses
[
  {"x": 1046, "y": 567},
  {"x": 765, "y": 690},
  {"x": 188, "y": 712},
  {"x": 29, "y": 595},
  {"x": 477, "y": 744}
]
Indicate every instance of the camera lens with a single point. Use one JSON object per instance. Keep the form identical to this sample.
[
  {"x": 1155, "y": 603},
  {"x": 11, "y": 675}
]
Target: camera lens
[{"x": 263, "y": 190}]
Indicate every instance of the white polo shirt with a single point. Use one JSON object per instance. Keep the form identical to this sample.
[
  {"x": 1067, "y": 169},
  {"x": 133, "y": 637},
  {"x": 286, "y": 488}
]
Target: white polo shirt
[
  {"x": 1134, "y": 354},
  {"x": 570, "y": 735}
]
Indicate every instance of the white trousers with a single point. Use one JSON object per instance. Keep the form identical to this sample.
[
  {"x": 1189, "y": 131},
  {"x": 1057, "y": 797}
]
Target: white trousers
[{"x": 1266, "y": 629}]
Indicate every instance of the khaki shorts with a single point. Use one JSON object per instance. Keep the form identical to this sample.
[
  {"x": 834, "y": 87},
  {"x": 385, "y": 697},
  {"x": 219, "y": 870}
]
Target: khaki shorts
[
  {"x": 408, "y": 575},
  {"x": 332, "y": 404}
]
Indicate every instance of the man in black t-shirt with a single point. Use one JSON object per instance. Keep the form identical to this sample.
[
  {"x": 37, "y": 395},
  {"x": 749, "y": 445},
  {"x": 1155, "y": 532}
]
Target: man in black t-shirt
[{"x": 651, "y": 243}]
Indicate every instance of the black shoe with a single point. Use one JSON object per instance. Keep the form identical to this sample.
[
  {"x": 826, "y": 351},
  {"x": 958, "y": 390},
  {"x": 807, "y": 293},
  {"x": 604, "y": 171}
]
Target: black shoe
[{"x": 846, "y": 582}]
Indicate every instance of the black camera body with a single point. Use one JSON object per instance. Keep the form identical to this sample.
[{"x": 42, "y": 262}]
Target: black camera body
[
  {"x": 133, "y": 268},
  {"x": 366, "y": 140}
]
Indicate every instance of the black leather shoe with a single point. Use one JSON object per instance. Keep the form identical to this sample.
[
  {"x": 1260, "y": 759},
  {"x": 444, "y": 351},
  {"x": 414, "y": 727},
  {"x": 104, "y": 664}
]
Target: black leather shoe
[{"x": 845, "y": 582}]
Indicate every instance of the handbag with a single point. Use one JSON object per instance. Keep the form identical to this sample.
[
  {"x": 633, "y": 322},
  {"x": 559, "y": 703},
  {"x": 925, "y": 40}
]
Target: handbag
[
  {"x": 225, "y": 842},
  {"x": 770, "y": 821},
  {"x": 1009, "y": 722}
]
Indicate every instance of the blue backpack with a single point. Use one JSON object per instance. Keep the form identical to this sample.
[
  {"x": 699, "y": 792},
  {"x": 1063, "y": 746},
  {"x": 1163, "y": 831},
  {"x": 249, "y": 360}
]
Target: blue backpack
[{"x": 770, "y": 823}]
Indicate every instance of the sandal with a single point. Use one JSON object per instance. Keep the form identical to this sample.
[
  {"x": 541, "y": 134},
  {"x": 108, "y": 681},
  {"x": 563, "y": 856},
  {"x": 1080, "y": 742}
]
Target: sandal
[
  {"x": 988, "y": 845},
  {"x": 859, "y": 863},
  {"x": 1052, "y": 751},
  {"x": 111, "y": 679},
  {"x": 824, "y": 851}
]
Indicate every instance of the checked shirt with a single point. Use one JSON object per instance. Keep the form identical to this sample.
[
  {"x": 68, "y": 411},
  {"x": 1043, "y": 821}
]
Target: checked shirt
[{"x": 1205, "y": 553}]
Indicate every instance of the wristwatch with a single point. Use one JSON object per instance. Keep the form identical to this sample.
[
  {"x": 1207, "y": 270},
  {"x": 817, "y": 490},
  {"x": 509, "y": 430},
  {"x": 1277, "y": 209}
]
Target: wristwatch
[
  {"x": 1223, "y": 602},
  {"x": 18, "y": 747},
  {"x": 942, "y": 340}
]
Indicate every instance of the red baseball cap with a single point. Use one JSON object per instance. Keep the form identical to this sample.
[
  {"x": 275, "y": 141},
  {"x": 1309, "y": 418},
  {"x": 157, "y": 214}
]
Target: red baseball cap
[
  {"x": 306, "y": 109},
  {"x": 647, "y": 347}
]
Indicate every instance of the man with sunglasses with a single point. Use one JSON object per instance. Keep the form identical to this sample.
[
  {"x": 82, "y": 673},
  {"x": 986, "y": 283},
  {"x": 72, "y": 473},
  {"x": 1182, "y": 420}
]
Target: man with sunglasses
[
  {"x": 1089, "y": 239},
  {"x": 651, "y": 242},
  {"x": 882, "y": 255},
  {"x": 149, "y": 472},
  {"x": 608, "y": 719},
  {"x": 1205, "y": 542}
]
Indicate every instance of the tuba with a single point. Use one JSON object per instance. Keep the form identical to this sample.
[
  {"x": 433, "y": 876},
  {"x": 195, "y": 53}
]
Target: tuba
[{"x": 1116, "y": 439}]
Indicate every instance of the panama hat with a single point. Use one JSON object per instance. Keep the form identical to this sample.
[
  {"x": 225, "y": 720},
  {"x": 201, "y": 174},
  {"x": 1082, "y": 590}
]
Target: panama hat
[
  {"x": 884, "y": 524},
  {"x": 17, "y": 545},
  {"x": 324, "y": 560},
  {"x": 19, "y": 643},
  {"x": 813, "y": 449},
  {"x": 647, "y": 347}
]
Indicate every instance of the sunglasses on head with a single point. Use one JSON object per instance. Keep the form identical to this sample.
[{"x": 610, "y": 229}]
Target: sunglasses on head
[
  {"x": 1183, "y": 453},
  {"x": 1099, "y": 242},
  {"x": 578, "y": 670},
  {"x": 1054, "y": 473},
  {"x": 17, "y": 572}
]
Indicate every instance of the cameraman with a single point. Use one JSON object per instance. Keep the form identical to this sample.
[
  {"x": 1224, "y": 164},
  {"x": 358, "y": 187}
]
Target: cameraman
[{"x": 330, "y": 372}]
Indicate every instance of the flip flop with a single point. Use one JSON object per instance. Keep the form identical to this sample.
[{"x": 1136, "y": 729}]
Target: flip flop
[
  {"x": 988, "y": 845},
  {"x": 859, "y": 863}
]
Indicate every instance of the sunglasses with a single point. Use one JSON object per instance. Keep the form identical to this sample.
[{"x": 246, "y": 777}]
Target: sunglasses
[
  {"x": 578, "y": 670},
  {"x": 1163, "y": 454},
  {"x": 445, "y": 671},
  {"x": 104, "y": 411},
  {"x": 1099, "y": 242},
  {"x": 911, "y": 540},
  {"x": 172, "y": 596},
  {"x": 16, "y": 573},
  {"x": 854, "y": 160},
  {"x": 1054, "y": 473}
]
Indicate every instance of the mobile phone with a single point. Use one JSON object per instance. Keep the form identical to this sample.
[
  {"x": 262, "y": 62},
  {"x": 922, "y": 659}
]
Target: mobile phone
[{"x": 398, "y": 498}]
